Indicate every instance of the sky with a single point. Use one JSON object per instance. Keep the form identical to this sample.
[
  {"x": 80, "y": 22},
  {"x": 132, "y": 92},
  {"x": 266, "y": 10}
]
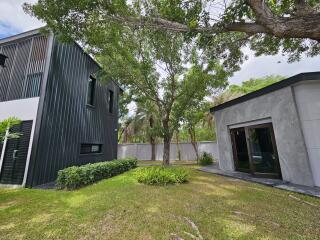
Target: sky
[{"x": 13, "y": 20}]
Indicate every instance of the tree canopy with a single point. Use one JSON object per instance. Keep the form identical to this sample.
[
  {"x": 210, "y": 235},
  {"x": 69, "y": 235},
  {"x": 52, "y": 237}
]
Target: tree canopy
[{"x": 222, "y": 26}]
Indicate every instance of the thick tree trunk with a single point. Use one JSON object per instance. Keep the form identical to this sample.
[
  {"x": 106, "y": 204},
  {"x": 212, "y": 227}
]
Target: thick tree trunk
[
  {"x": 304, "y": 23},
  {"x": 166, "y": 151},
  {"x": 166, "y": 142},
  {"x": 153, "y": 151}
]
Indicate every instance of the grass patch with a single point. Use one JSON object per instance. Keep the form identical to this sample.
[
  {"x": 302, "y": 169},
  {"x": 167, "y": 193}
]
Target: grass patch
[
  {"x": 121, "y": 208},
  {"x": 162, "y": 175}
]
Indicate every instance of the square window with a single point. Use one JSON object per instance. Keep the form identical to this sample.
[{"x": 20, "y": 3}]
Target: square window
[
  {"x": 91, "y": 91},
  {"x": 87, "y": 148}
]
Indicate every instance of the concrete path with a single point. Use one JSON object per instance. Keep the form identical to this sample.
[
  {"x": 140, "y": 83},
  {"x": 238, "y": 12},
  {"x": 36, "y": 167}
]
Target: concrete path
[{"x": 277, "y": 183}]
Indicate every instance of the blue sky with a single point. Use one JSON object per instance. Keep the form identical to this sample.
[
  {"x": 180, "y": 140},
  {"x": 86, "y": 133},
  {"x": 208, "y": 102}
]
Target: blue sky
[
  {"x": 6, "y": 29},
  {"x": 13, "y": 20}
]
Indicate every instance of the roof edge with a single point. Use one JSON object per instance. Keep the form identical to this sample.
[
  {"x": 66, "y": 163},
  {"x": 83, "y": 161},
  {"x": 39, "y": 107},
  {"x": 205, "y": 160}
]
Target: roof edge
[
  {"x": 306, "y": 76},
  {"x": 20, "y": 35},
  {"x": 38, "y": 31}
]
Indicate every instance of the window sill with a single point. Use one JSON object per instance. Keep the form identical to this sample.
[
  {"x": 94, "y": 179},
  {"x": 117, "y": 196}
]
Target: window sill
[
  {"x": 90, "y": 154},
  {"x": 90, "y": 106}
]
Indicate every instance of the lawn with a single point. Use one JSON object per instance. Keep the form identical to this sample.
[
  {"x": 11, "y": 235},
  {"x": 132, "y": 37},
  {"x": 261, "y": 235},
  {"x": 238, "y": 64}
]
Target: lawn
[{"x": 121, "y": 208}]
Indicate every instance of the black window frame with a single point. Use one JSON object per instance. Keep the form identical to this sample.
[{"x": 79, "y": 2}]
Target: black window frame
[
  {"x": 87, "y": 148},
  {"x": 111, "y": 101},
  {"x": 91, "y": 91}
]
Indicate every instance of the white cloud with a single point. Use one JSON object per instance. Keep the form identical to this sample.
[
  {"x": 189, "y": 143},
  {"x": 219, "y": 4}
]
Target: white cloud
[
  {"x": 14, "y": 20},
  {"x": 273, "y": 65}
]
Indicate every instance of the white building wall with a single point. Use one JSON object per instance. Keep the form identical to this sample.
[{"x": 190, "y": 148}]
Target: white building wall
[
  {"x": 23, "y": 109},
  {"x": 278, "y": 107},
  {"x": 307, "y": 96}
]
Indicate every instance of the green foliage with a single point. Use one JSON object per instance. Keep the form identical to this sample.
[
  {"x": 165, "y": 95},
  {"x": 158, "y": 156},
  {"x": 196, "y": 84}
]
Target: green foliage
[
  {"x": 246, "y": 87},
  {"x": 255, "y": 84},
  {"x": 6, "y": 125},
  {"x": 206, "y": 159},
  {"x": 162, "y": 175},
  {"x": 77, "y": 176}
]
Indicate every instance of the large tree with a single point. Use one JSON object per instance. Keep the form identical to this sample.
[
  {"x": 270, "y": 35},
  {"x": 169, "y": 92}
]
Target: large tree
[
  {"x": 165, "y": 69},
  {"x": 267, "y": 26}
]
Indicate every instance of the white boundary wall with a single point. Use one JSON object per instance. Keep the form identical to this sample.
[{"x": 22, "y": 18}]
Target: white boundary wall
[{"x": 142, "y": 151}]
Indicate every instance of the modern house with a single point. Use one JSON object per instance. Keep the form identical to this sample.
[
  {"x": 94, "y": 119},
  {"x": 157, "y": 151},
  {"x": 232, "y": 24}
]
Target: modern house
[
  {"x": 68, "y": 116},
  {"x": 273, "y": 132}
]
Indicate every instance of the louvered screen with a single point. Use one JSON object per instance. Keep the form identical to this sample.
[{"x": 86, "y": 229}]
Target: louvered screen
[{"x": 22, "y": 76}]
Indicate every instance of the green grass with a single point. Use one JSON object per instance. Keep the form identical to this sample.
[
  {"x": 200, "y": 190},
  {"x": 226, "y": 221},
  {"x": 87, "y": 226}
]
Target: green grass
[
  {"x": 174, "y": 163},
  {"x": 122, "y": 208}
]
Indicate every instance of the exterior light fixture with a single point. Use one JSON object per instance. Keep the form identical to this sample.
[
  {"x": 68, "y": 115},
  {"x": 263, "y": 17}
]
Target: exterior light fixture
[{"x": 2, "y": 60}]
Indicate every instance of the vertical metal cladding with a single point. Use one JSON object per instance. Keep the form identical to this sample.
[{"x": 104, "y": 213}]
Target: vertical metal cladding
[
  {"x": 67, "y": 121},
  {"x": 22, "y": 76}
]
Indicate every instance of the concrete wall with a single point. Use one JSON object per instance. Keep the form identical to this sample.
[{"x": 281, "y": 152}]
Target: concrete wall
[
  {"x": 279, "y": 108},
  {"x": 308, "y": 104},
  {"x": 143, "y": 151}
]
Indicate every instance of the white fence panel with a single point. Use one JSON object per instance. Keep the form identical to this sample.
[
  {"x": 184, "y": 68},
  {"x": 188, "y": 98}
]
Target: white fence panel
[{"x": 142, "y": 151}]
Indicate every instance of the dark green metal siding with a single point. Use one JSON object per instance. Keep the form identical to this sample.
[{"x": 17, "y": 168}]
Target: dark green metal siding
[{"x": 66, "y": 121}]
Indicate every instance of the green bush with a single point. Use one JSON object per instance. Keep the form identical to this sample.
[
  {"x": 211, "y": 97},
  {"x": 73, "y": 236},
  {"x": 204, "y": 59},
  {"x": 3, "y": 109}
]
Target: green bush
[
  {"x": 78, "y": 176},
  {"x": 206, "y": 159},
  {"x": 158, "y": 175}
]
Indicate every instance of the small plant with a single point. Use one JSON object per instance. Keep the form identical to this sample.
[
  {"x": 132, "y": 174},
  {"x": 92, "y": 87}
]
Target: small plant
[
  {"x": 158, "y": 175},
  {"x": 78, "y": 176},
  {"x": 206, "y": 159}
]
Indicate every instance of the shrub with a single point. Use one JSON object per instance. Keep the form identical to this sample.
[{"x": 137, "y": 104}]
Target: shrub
[
  {"x": 158, "y": 175},
  {"x": 206, "y": 159},
  {"x": 78, "y": 176}
]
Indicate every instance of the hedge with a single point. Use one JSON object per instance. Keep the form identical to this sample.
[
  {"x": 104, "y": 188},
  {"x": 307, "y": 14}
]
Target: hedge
[{"x": 78, "y": 176}]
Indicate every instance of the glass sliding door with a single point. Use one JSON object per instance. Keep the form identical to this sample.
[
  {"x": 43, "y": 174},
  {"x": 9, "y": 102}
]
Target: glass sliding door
[
  {"x": 240, "y": 150},
  {"x": 261, "y": 149}
]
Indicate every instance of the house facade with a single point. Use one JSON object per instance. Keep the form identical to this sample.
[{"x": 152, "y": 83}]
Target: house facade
[
  {"x": 273, "y": 132},
  {"x": 68, "y": 116}
]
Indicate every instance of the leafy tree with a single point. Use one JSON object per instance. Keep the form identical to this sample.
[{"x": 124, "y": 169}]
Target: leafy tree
[
  {"x": 223, "y": 27},
  {"x": 161, "y": 68},
  {"x": 192, "y": 117},
  {"x": 5, "y": 126}
]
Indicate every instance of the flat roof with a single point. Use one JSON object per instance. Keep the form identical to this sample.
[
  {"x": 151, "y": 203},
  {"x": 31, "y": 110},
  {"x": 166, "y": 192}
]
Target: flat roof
[{"x": 307, "y": 76}]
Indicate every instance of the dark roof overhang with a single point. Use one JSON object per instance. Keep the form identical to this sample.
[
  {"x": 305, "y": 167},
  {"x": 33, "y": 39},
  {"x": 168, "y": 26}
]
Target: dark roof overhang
[{"x": 271, "y": 88}]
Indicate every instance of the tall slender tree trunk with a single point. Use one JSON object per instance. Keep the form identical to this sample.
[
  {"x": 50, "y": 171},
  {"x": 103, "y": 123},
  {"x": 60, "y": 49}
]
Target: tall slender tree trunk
[
  {"x": 152, "y": 139},
  {"x": 166, "y": 151},
  {"x": 178, "y": 145},
  {"x": 166, "y": 142},
  {"x": 194, "y": 142}
]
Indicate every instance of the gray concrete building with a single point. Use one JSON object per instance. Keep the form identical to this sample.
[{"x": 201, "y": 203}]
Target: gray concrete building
[{"x": 273, "y": 132}]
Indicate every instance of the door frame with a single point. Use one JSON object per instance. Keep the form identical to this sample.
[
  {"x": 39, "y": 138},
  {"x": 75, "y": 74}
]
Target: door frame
[
  {"x": 252, "y": 171},
  {"x": 234, "y": 151}
]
